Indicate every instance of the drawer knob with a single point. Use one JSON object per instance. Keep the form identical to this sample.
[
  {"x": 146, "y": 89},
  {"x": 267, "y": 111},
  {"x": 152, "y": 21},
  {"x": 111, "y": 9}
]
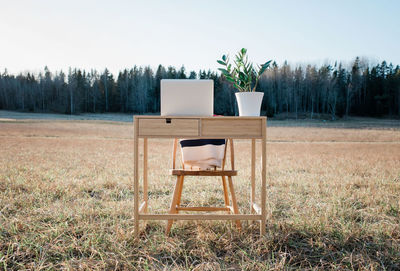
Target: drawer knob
[{"x": 167, "y": 120}]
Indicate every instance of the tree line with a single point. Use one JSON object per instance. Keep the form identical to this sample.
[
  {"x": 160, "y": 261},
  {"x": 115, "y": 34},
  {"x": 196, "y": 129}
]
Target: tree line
[{"x": 330, "y": 90}]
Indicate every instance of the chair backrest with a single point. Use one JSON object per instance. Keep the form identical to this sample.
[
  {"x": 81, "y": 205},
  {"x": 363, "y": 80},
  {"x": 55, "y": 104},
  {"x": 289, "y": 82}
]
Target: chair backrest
[{"x": 229, "y": 142}]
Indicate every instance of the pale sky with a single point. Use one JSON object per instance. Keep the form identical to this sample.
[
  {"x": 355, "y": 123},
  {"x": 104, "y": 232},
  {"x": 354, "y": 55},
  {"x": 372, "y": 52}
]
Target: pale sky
[{"x": 120, "y": 34}]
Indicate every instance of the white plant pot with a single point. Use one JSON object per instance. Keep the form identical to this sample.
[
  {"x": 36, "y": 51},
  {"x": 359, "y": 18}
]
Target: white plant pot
[{"x": 249, "y": 103}]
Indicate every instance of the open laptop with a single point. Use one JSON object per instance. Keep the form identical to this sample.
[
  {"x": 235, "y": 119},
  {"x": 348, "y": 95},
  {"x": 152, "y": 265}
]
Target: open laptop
[{"x": 185, "y": 97}]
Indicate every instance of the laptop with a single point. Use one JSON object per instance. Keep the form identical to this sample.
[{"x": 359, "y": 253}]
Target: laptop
[{"x": 186, "y": 97}]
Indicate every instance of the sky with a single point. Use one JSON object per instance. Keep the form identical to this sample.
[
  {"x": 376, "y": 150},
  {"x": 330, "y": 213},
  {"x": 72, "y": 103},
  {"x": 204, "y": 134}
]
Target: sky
[{"x": 119, "y": 34}]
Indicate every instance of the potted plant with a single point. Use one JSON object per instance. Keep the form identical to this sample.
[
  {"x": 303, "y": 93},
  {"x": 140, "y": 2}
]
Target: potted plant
[{"x": 244, "y": 76}]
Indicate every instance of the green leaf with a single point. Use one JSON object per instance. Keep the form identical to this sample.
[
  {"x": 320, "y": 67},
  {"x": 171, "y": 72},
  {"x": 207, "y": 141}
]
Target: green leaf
[
  {"x": 243, "y": 51},
  {"x": 221, "y": 62},
  {"x": 264, "y": 67},
  {"x": 230, "y": 79},
  {"x": 242, "y": 76},
  {"x": 249, "y": 68},
  {"x": 266, "y": 64},
  {"x": 238, "y": 87},
  {"x": 238, "y": 59},
  {"x": 224, "y": 57},
  {"x": 224, "y": 72}
]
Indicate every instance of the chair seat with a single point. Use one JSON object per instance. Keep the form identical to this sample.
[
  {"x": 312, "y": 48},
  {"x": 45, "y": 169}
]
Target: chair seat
[
  {"x": 226, "y": 178},
  {"x": 189, "y": 172}
]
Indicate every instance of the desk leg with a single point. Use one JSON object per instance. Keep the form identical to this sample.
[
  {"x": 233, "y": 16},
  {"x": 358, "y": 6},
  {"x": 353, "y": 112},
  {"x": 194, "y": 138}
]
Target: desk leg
[
  {"x": 253, "y": 174},
  {"x": 263, "y": 177},
  {"x": 136, "y": 178},
  {"x": 145, "y": 194}
]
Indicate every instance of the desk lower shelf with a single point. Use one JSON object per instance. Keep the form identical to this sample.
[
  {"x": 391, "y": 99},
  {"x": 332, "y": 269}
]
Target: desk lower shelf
[{"x": 198, "y": 217}]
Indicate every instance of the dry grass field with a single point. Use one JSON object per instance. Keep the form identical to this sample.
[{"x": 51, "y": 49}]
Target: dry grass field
[{"x": 66, "y": 201}]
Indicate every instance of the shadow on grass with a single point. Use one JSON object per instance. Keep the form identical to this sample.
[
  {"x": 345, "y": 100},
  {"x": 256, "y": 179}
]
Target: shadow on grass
[
  {"x": 192, "y": 246},
  {"x": 219, "y": 246}
]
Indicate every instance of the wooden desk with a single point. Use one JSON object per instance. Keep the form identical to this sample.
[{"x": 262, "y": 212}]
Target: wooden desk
[{"x": 200, "y": 127}]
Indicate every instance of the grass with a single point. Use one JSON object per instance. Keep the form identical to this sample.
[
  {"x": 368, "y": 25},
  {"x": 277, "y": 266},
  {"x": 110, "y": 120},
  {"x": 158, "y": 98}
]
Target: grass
[{"x": 66, "y": 201}]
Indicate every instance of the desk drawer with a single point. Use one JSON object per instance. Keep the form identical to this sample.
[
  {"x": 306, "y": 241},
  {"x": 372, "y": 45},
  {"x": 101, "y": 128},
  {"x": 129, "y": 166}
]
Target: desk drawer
[
  {"x": 171, "y": 127},
  {"x": 235, "y": 128}
]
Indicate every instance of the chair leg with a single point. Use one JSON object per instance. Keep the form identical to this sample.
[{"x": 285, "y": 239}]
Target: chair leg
[
  {"x": 178, "y": 202},
  {"x": 172, "y": 209},
  {"x": 234, "y": 203},
  {"x": 226, "y": 194}
]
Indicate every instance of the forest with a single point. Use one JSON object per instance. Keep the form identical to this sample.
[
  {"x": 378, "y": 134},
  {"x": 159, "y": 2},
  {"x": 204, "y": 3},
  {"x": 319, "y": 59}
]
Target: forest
[{"x": 334, "y": 91}]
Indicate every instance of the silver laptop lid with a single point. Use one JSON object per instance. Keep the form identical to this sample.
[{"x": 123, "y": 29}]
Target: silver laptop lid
[{"x": 186, "y": 97}]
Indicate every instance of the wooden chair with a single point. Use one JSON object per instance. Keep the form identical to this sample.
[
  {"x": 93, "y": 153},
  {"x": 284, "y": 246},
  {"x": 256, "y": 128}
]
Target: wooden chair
[{"x": 223, "y": 173}]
